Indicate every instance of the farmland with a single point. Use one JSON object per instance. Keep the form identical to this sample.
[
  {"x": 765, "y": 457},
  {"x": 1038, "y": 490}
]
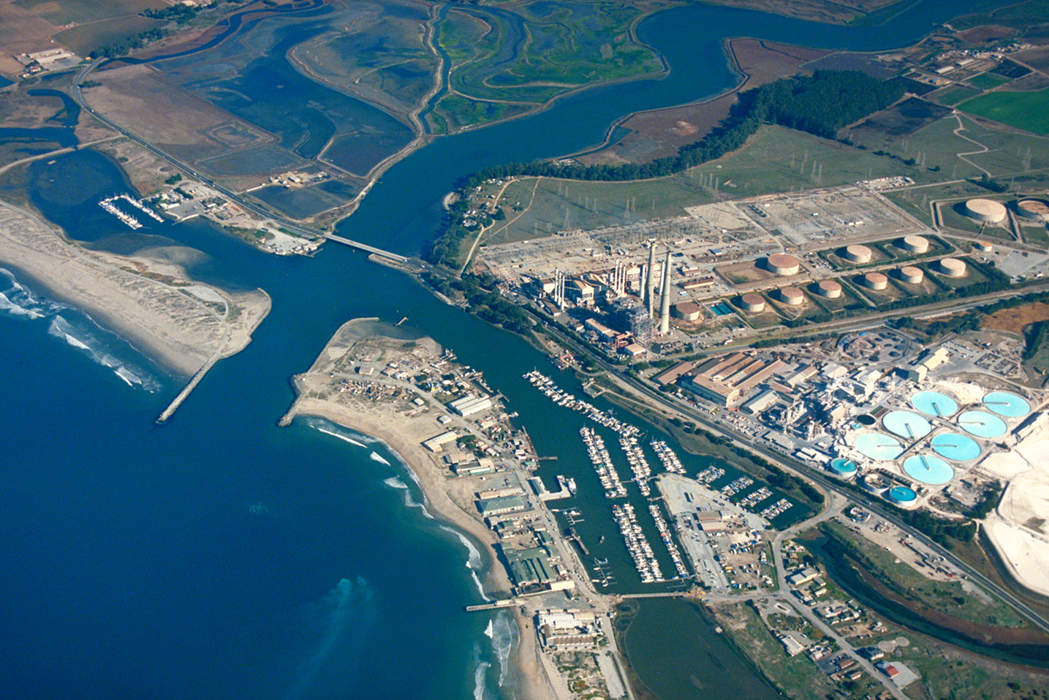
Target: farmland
[{"x": 1024, "y": 110}]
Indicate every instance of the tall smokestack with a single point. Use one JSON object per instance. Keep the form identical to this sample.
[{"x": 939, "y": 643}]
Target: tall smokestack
[
  {"x": 664, "y": 303},
  {"x": 650, "y": 280}
]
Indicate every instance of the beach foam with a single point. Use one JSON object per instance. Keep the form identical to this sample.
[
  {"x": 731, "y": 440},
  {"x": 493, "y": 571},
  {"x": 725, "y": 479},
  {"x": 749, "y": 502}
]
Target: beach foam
[
  {"x": 473, "y": 559},
  {"x": 89, "y": 338}
]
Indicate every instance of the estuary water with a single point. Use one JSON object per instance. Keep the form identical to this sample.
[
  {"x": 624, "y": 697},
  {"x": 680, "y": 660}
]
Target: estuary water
[{"x": 219, "y": 556}]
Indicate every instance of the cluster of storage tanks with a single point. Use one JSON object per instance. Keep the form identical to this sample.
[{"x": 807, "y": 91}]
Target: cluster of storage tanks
[{"x": 988, "y": 211}]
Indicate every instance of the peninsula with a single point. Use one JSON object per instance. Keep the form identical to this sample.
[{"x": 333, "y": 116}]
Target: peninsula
[{"x": 182, "y": 323}]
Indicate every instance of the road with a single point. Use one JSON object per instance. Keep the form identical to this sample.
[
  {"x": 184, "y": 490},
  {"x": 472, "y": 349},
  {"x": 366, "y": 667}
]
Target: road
[
  {"x": 256, "y": 209},
  {"x": 793, "y": 466}
]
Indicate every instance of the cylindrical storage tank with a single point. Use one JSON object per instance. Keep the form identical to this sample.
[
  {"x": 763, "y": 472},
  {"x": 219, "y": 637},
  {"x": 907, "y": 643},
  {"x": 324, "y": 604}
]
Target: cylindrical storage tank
[
  {"x": 875, "y": 482},
  {"x": 985, "y": 210},
  {"x": 783, "y": 265},
  {"x": 952, "y": 267},
  {"x": 829, "y": 289},
  {"x": 753, "y": 303},
  {"x": 791, "y": 295},
  {"x": 1033, "y": 209},
  {"x": 915, "y": 244},
  {"x": 858, "y": 254},
  {"x": 902, "y": 496},
  {"x": 843, "y": 468},
  {"x": 875, "y": 280},
  {"x": 911, "y": 274},
  {"x": 983, "y": 246}
]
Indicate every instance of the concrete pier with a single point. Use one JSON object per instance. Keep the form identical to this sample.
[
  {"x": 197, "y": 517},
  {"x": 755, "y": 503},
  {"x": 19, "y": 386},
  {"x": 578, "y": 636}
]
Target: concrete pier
[{"x": 187, "y": 390}]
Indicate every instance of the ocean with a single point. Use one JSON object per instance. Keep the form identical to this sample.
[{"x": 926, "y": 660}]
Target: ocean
[{"x": 221, "y": 556}]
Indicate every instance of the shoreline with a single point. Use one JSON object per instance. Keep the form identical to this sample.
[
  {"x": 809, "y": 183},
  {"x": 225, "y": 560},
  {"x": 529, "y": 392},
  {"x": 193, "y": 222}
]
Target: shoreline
[
  {"x": 524, "y": 665},
  {"x": 179, "y": 323}
]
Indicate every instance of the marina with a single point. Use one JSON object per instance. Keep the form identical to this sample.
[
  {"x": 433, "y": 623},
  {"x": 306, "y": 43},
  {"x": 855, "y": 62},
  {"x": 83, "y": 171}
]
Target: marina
[
  {"x": 563, "y": 398},
  {"x": 640, "y": 550},
  {"x": 671, "y": 462},
  {"x": 602, "y": 463},
  {"x": 109, "y": 205},
  {"x": 638, "y": 464}
]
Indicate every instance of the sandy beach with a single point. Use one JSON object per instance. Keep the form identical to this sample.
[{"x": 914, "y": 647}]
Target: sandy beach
[
  {"x": 181, "y": 323},
  {"x": 391, "y": 430},
  {"x": 449, "y": 499}
]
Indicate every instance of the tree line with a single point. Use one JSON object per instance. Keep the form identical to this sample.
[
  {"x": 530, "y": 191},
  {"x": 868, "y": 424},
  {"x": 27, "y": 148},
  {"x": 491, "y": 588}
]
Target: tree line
[{"x": 819, "y": 104}]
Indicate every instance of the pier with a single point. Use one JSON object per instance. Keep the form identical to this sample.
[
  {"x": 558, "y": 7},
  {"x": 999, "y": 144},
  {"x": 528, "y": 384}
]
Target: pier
[
  {"x": 188, "y": 389},
  {"x": 506, "y": 603}
]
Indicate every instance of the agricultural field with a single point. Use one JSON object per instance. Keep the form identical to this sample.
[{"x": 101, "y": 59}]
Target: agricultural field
[
  {"x": 988, "y": 81},
  {"x": 83, "y": 11},
  {"x": 1024, "y": 110},
  {"x": 954, "y": 94},
  {"x": 884, "y": 127},
  {"x": 775, "y": 159},
  {"x": 85, "y": 38}
]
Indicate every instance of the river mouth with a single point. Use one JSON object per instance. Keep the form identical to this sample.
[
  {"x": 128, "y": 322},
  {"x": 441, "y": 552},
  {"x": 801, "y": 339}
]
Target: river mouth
[{"x": 203, "y": 547}]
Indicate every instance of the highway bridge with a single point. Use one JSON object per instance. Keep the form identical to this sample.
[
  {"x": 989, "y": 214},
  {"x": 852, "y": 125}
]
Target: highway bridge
[{"x": 366, "y": 248}]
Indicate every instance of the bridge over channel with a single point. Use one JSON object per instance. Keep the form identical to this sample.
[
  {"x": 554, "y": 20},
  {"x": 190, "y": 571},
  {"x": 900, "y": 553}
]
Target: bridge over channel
[{"x": 366, "y": 248}]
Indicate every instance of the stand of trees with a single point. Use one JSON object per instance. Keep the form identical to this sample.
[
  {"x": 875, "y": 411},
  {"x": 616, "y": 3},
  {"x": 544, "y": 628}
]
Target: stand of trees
[{"x": 819, "y": 104}]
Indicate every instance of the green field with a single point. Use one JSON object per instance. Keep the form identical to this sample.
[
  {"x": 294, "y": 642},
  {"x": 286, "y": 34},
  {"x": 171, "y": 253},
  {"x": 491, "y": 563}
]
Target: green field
[
  {"x": 775, "y": 159},
  {"x": 953, "y": 95},
  {"x": 531, "y": 53},
  {"x": 459, "y": 111},
  {"x": 85, "y": 38},
  {"x": 82, "y": 11},
  {"x": 1010, "y": 153},
  {"x": 1024, "y": 110},
  {"x": 987, "y": 81}
]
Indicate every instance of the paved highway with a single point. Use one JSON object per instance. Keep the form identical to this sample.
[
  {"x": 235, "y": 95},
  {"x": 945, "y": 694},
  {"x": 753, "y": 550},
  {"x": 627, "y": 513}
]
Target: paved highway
[{"x": 796, "y": 467}]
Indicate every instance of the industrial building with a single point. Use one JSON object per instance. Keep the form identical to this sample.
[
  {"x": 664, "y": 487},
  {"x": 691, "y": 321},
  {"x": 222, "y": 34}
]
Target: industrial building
[
  {"x": 529, "y": 567},
  {"x": 437, "y": 442},
  {"x": 469, "y": 405},
  {"x": 727, "y": 380}
]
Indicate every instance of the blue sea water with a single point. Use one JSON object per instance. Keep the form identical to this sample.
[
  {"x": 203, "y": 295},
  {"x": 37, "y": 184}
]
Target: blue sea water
[{"x": 220, "y": 556}]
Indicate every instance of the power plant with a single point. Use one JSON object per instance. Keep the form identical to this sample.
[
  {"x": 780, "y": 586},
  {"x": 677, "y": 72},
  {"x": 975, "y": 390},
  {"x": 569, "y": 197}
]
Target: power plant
[
  {"x": 664, "y": 303},
  {"x": 650, "y": 280}
]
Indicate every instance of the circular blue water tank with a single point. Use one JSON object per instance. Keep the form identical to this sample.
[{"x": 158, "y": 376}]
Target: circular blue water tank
[{"x": 902, "y": 494}]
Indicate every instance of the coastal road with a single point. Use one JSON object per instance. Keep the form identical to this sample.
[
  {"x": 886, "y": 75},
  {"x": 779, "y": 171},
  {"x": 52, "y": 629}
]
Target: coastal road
[
  {"x": 793, "y": 466},
  {"x": 256, "y": 209}
]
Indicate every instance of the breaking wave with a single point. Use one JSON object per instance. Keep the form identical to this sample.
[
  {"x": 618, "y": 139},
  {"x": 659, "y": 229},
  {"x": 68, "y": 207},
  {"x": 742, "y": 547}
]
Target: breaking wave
[
  {"x": 75, "y": 329},
  {"x": 376, "y": 457},
  {"x": 409, "y": 501},
  {"x": 323, "y": 425},
  {"x": 19, "y": 301},
  {"x": 81, "y": 335},
  {"x": 504, "y": 634},
  {"x": 473, "y": 560}
]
